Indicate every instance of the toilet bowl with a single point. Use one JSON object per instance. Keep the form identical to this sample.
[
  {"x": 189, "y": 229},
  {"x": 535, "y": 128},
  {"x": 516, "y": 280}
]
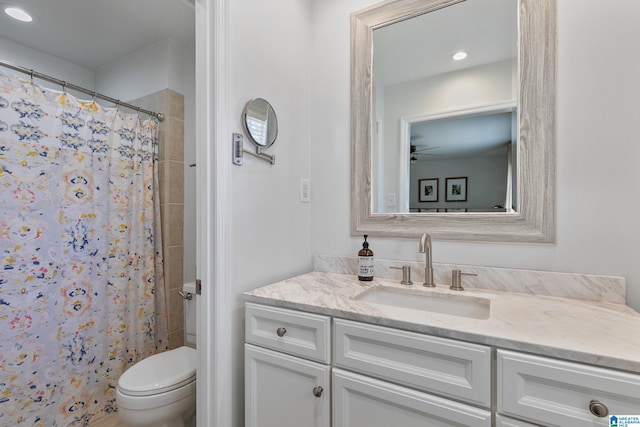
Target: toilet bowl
[{"x": 159, "y": 391}]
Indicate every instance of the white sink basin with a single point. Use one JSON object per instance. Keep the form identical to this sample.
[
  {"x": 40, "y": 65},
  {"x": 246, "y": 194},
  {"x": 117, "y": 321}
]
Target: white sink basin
[{"x": 429, "y": 301}]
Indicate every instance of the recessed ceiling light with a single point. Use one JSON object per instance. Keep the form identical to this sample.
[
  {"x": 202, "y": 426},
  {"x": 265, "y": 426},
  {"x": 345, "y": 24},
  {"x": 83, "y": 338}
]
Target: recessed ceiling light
[
  {"x": 459, "y": 56},
  {"x": 17, "y": 13}
]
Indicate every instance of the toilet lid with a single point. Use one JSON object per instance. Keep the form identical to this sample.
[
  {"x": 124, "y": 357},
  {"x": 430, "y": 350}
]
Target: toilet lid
[{"x": 160, "y": 373}]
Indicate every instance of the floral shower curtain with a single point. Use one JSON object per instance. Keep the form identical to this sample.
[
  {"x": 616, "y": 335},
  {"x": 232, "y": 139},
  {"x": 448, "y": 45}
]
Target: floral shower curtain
[{"x": 81, "y": 282}]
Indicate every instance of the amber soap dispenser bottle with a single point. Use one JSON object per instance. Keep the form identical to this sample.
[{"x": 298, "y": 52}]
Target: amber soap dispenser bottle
[{"x": 365, "y": 262}]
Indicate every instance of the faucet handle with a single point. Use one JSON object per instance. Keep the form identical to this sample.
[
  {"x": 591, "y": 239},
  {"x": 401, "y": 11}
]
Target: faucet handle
[
  {"x": 406, "y": 274},
  {"x": 456, "y": 279}
]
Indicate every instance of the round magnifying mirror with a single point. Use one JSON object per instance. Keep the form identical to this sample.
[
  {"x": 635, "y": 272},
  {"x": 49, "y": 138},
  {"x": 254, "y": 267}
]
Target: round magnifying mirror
[{"x": 260, "y": 122}]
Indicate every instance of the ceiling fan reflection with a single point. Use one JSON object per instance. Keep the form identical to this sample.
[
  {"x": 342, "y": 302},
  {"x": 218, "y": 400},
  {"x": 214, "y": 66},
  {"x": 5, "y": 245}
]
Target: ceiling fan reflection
[{"x": 415, "y": 152}]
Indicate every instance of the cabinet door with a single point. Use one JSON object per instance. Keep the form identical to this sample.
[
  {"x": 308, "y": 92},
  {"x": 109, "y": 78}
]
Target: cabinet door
[
  {"x": 360, "y": 401},
  {"x": 285, "y": 391}
]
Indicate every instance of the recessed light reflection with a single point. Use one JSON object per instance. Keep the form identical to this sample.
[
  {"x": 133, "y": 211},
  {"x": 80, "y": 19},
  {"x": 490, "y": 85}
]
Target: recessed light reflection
[
  {"x": 19, "y": 14},
  {"x": 459, "y": 56}
]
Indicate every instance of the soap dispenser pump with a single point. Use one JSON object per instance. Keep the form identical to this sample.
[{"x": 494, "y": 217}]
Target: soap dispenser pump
[{"x": 365, "y": 262}]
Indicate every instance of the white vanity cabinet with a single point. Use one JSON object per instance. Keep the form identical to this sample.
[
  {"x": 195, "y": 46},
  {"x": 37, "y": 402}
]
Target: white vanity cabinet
[
  {"x": 380, "y": 376},
  {"x": 287, "y": 372},
  {"x": 559, "y": 393}
]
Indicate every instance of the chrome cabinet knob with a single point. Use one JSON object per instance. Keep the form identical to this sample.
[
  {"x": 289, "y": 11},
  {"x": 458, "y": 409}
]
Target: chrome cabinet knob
[
  {"x": 317, "y": 391},
  {"x": 598, "y": 409},
  {"x": 281, "y": 331}
]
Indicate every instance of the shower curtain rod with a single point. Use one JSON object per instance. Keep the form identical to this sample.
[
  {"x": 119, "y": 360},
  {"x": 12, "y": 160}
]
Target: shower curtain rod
[{"x": 65, "y": 85}]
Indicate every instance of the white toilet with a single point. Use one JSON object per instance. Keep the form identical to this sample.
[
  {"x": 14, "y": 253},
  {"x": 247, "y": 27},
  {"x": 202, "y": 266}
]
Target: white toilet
[{"x": 160, "y": 391}]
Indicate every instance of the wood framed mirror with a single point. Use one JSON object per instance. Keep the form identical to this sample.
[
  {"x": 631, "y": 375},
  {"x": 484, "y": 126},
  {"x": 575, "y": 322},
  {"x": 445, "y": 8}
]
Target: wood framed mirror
[{"x": 533, "y": 219}]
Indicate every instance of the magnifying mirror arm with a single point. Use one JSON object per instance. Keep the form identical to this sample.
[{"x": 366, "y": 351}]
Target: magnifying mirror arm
[{"x": 271, "y": 158}]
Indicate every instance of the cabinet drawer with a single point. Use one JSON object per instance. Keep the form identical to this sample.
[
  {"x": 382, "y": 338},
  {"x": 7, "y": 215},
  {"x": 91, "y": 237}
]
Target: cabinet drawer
[
  {"x": 558, "y": 393},
  {"x": 364, "y": 401},
  {"x": 293, "y": 332},
  {"x": 442, "y": 366}
]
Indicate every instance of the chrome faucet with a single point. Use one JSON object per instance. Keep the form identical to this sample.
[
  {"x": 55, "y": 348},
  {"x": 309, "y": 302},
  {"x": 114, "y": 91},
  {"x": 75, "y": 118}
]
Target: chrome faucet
[{"x": 425, "y": 248}]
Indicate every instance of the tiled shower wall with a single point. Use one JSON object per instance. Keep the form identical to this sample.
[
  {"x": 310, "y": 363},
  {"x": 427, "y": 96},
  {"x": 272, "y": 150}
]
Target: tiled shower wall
[{"x": 171, "y": 173}]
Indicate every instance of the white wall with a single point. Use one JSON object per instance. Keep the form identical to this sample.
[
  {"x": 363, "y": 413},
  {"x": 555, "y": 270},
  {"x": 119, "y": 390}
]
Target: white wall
[
  {"x": 270, "y": 236},
  {"x": 329, "y": 125},
  {"x": 148, "y": 70},
  {"x": 598, "y": 154},
  {"x": 151, "y": 69},
  {"x": 44, "y": 63}
]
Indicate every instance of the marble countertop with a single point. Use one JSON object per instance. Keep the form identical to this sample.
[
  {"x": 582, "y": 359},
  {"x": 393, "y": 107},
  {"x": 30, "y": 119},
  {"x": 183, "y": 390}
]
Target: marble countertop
[{"x": 599, "y": 333}]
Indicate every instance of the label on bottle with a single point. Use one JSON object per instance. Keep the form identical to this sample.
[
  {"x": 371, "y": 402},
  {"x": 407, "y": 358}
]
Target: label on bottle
[{"x": 365, "y": 266}]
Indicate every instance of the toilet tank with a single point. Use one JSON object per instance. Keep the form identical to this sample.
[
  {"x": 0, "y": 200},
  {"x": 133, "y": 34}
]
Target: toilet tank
[{"x": 190, "y": 315}]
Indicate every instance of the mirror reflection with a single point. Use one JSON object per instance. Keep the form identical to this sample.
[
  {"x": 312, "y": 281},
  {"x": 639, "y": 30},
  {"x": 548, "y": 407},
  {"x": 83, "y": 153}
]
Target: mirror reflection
[
  {"x": 481, "y": 147},
  {"x": 260, "y": 122},
  {"x": 439, "y": 118}
]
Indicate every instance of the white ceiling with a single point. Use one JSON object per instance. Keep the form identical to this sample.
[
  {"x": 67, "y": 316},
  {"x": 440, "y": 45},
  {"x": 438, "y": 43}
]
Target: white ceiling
[{"x": 92, "y": 33}]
